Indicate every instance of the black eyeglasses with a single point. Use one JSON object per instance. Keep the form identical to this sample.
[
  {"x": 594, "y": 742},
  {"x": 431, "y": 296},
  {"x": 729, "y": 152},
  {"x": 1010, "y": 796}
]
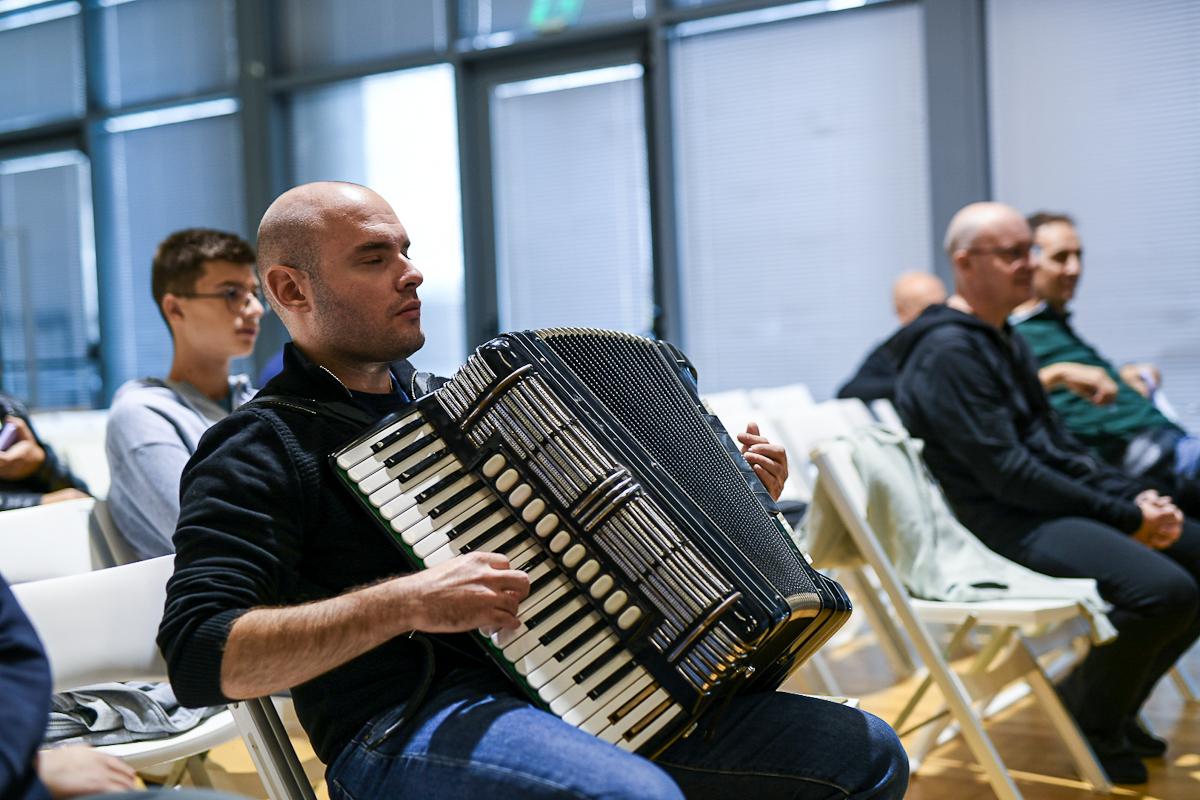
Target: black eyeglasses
[
  {"x": 1010, "y": 255},
  {"x": 237, "y": 298}
]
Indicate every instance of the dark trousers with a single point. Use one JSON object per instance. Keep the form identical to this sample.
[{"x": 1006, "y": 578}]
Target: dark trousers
[{"x": 1155, "y": 596}]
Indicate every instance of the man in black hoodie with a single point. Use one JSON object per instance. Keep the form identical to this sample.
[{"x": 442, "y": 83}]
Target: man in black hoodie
[{"x": 969, "y": 387}]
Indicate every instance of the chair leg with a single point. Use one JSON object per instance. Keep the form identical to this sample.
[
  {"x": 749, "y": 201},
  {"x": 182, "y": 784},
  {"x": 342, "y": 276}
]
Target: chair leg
[
  {"x": 271, "y": 751},
  {"x": 1185, "y": 685},
  {"x": 1081, "y": 752},
  {"x": 891, "y": 640},
  {"x": 197, "y": 770}
]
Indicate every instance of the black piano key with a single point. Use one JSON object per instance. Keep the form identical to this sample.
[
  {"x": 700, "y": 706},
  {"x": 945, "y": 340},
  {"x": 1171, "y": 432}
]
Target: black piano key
[
  {"x": 505, "y": 546},
  {"x": 483, "y": 537},
  {"x": 422, "y": 465},
  {"x": 591, "y": 669},
  {"x": 549, "y": 610},
  {"x": 564, "y": 626},
  {"x": 439, "y": 485},
  {"x": 536, "y": 561},
  {"x": 470, "y": 522},
  {"x": 603, "y": 686},
  {"x": 537, "y": 584},
  {"x": 415, "y": 447},
  {"x": 579, "y": 641},
  {"x": 450, "y": 502},
  {"x": 397, "y": 435}
]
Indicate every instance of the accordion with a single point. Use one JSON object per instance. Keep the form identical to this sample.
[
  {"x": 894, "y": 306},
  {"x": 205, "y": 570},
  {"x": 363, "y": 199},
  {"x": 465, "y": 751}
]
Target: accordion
[{"x": 662, "y": 578}]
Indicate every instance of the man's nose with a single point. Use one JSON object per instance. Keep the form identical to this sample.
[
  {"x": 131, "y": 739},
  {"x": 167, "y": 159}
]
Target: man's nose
[{"x": 410, "y": 276}]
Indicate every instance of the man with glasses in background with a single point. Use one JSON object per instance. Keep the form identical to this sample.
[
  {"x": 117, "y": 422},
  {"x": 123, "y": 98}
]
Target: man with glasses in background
[
  {"x": 1114, "y": 413},
  {"x": 1014, "y": 475},
  {"x": 204, "y": 285}
]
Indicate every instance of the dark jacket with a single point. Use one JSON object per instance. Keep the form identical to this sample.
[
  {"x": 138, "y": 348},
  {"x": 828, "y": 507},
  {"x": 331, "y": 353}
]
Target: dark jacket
[
  {"x": 264, "y": 521},
  {"x": 24, "y": 701},
  {"x": 52, "y": 476},
  {"x": 876, "y": 376},
  {"x": 1002, "y": 456}
]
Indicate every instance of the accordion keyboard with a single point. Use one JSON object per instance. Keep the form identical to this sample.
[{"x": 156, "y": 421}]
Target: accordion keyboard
[{"x": 567, "y": 651}]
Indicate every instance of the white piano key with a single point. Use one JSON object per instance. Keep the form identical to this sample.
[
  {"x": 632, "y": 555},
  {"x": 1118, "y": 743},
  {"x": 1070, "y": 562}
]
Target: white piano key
[
  {"x": 428, "y": 526},
  {"x": 539, "y": 656},
  {"x": 565, "y": 680},
  {"x": 616, "y": 731},
  {"x": 529, "y": 640},
  {"x": 374, "y": 462},
  {"x": 587, "y": 707},
  {"x": 414, "y": 512},
  {"x": 598, "y": 721},
  {"x": 406, "y": 496},
  {"x": 351, "y": 457},
  {"x": 440, "y": 555},
  {"x": 650, "y": 731},
  {"x": 384, "y": 484},
  {"x": 575, "y": 698},
  {"x": 528, "y": 607}
]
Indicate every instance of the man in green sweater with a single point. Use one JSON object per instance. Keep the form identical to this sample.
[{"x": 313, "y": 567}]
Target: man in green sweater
[{"x": 1108, "y": 409}]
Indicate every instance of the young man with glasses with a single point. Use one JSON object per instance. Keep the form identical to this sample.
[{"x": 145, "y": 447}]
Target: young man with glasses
[
  {"x": 204, "y": 285},
  {"x": 1015, "y": 476}
]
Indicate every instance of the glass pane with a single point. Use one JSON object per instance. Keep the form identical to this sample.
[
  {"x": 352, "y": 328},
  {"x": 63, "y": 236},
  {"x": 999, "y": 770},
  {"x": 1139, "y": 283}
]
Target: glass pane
[
  {"x": 48, "y": 320},
  {"x": 1105, "y": 125},
  {"x": 161, "y": 179},
  {"x": 572, "y": 202},
  {"x": 802, "y": 192},
  {"x": 314, "y": 33},
  {"x": 43, "y": 47},
  {"x": 487, "y": 18},
  {"x": 363, "y": 131},
  {"x": 157, "y": 49}
]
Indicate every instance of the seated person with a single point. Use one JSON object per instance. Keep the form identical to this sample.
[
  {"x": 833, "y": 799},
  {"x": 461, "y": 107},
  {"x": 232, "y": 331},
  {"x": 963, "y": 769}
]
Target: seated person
[
  {"x": 1109, "y": 410},
  {"x": 26, "y": 773},
  {"x": 912, "y": 293},
  {"x": 1015, "y": 477},
  {"x": 283, "y": 581},
  {"x": 30, "y": 472},
  {"x": 204, "y": 285}
]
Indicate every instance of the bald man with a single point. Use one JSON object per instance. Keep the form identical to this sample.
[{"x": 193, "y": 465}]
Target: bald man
[
  {"x": 912, "y": 293},
  {"x": 968, "y": 386},
  {"x": 283, "y": 581}
]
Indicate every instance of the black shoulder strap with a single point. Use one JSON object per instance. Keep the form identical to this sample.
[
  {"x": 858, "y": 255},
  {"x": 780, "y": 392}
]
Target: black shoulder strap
[{"x": 341, "y": 412}]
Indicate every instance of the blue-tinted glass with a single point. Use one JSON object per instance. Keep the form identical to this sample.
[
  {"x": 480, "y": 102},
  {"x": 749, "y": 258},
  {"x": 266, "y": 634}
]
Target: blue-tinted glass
[
  {"x": 362, "y": 131},
  {"x": 157, "y": 49},
  {"x": 161, "y": 179},
  {"x": 486, "y": 18},
  {"x": 41, "y": 61},
  {"x": 314, "y": 33},
  {"x": 48, "y": 322}
]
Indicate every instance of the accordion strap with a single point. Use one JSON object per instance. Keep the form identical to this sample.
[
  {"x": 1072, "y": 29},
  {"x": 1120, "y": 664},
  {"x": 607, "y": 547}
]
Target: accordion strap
[{"x": 344, "y": 413}]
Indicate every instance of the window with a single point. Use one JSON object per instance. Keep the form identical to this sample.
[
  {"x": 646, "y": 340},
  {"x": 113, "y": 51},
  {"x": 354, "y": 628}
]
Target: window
[
  {"x": 496, "y": 22},
  {"x": 48, "y": 320},
  {"x": 315, "y": 33},
  {"x": 43, "y": 47},
  {"x": 156, "y": 49},
  {"x": 364, "y": 131},
  {"x": 164, "y": 170},
  {"x": 1095, "y": 108},
  {"x": 572, "y": 203},
  {"x": 802, "y": 192}
]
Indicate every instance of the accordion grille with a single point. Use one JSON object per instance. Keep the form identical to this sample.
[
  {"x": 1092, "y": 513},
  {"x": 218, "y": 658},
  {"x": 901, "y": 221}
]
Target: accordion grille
[{"x": 630, "y": 376}]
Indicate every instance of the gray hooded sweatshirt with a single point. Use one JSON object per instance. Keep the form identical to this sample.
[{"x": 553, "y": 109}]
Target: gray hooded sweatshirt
[{"x": 153, "y": 429}]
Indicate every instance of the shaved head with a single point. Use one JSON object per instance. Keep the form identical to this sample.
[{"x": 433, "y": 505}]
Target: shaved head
[
  {"x": 972, "y": 220},
  {"x": 913, "y": 292}
]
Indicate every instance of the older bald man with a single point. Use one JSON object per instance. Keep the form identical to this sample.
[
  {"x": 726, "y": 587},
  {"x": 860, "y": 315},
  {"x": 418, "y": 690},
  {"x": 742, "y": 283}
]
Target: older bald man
[
  {"x": 969, "y": 387},
  {"x": 283, "y": 581}
]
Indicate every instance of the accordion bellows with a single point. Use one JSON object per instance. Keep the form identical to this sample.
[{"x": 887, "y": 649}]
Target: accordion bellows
[{"x": 662, "y": 577}]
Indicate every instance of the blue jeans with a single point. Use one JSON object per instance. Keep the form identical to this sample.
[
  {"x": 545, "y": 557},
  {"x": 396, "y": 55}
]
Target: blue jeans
[{"x": 475, "y": 737}]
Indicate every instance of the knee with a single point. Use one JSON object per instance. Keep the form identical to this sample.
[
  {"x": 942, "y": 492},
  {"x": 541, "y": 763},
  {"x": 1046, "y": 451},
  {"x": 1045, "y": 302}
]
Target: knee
[
  {"x": 1177, "y": 597},
  {"x": 886, "y": 768}
]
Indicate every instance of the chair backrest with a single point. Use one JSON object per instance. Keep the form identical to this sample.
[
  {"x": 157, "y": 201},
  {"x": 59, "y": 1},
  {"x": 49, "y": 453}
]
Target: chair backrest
[
  {"x": 48, "y": 541},
  {"x": 886, "y": 413},
  {"x": 737, "y": 407},
  {"x": 78, "y": 439},
  {"x": 100, "y": 626},
  {"x": 777, "y": 400},
  {"x": 104, "y": 532}
]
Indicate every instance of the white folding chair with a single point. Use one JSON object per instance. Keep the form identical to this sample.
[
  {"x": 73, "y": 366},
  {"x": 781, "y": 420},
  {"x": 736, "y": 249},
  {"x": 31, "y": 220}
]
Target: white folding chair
[
  {"x": 78, "y": 440},
  {"x": 103, "y": 531},
  {"x": 738, "y": 407},
  {"x": 99, "y": 627},
  {"x": 271, "y": 750},
  {"x": 48, "y": 541},
  {"x": 1005, "y": 658},
  {"x": 886, "y": 413}
]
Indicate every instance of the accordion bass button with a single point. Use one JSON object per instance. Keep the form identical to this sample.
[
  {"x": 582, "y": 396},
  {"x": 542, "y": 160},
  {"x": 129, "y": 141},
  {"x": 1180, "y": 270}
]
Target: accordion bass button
[
  {"x": 492, "y": 467},
  {"x": 546, "y": 525},
  {"x": 628, "y": 617},
  {"x": 602, "y": 586},
  {"x": 534, "y": 510},
  {"x": 614, "y": 602},
  {"x": 520, "y": 495},
  {"x": 588, "y": 571},
  {"x": 560, "y": 542},
  {"x": 573, "y": 556},
  {"x": 507, "y": 480}
]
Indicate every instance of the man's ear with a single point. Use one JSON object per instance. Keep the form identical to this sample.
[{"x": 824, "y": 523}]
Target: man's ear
[
  {"x": 290, "y": 287},
  {"x": 171, "y": 307},
  {"x": 961, "y": 259}
]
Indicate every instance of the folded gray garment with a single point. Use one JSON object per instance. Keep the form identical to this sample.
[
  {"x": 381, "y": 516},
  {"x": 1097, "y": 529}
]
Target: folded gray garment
[{"x": 115, "y": 713}]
